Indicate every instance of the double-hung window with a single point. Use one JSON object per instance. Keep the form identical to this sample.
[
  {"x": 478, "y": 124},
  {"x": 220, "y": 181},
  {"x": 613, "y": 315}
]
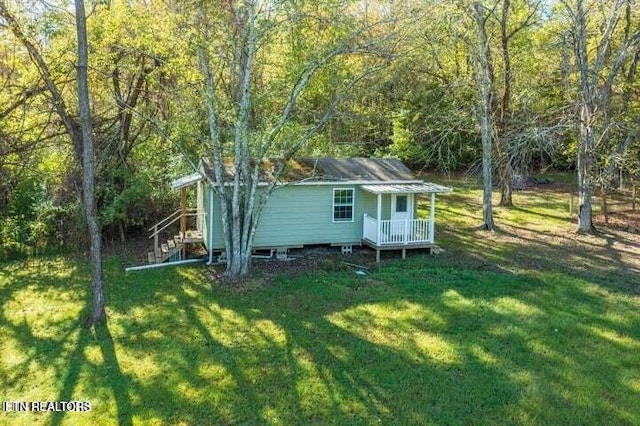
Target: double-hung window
[{"x": 343, "y": 205}]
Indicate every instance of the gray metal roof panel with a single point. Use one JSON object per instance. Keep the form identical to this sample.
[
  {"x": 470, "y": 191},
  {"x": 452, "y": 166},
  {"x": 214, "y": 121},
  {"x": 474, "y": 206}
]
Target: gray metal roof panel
[{"x": 408, "y": 188}]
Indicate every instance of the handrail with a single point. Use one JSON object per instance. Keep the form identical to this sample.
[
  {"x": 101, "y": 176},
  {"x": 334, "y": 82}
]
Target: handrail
[
  {"x": 162, "y": 220},
  {"x": 168, "y": 217},
  {"x": 173, "y": 221}
]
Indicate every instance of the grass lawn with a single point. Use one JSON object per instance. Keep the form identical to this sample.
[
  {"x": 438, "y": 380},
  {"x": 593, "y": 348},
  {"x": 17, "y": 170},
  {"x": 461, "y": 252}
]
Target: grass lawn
[{"x": 530, "y": 324}]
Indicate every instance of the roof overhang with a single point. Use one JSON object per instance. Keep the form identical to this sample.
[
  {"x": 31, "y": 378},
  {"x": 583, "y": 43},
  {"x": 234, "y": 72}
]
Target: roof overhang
[
  {"x": 187, "y": 180},
  {"x": 406, "y": 188}
]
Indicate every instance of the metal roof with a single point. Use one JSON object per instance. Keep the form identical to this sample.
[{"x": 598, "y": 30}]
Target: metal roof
[
  {"x": 186, "y": 180},
  {"x": 408, "y": 188},
  {"x": 323, "y": 170},
  {"x": 376, "y": 175},
  {"x": 369, "y": 169}
]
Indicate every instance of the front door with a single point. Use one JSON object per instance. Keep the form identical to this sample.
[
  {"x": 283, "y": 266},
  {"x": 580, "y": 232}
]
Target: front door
[
  {"x": 401, "y": 206},
  {"x": 401, "y": 213}
]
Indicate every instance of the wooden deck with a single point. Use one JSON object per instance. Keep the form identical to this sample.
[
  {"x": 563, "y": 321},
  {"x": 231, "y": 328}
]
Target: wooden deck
[
  {"x": 190, "y": 237},
  {"x": 399, "y": 246}
]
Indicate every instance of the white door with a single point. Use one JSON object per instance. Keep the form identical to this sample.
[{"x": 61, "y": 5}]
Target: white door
[
  {"x": 401, "y": 206},
  {"x": 401, "y": 214}
]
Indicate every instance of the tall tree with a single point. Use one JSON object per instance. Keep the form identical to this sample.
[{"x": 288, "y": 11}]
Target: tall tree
[
  {"x": 256, "y": 114},
  {"x": 509, "y": 26},
  {"x": 596, "y": 75},
  {"x": 485, "y": 117},
  {"x": 79, "y": 131},
  {"x": 88, "y": 168}
]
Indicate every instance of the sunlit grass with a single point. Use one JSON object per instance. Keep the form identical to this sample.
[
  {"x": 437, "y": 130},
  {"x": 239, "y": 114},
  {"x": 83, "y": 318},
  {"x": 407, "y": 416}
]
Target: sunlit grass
[{"x": 503, "y": 328}]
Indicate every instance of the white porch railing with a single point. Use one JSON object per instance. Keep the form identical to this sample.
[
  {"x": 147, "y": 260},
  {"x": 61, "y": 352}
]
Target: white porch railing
[{"x": 394, "y": 232}]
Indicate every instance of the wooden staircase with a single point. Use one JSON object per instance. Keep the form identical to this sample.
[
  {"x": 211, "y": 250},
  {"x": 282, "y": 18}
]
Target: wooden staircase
[
  {"x": 175, "y": 248},
  {"x": 172, "y": 250}
]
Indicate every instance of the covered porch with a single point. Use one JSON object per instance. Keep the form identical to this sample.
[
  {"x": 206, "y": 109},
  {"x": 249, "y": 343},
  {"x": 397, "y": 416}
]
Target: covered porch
[{"x": 403, "y": 230}]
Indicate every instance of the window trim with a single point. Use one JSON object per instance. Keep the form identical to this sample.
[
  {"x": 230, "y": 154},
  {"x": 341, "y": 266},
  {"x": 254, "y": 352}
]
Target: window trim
[{"x": 352, "y": 204}]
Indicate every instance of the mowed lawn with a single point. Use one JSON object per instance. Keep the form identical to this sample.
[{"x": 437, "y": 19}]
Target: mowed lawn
[{"x": 530, "y": 324}]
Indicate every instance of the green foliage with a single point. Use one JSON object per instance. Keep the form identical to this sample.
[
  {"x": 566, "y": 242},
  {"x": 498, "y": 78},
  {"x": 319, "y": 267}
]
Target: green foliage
[
  {"x": 403, "y": 145},
  {"x": 420, "y": 107},
  {"x": 31, "y": 221},
  {"x": 124, "y": 196}
]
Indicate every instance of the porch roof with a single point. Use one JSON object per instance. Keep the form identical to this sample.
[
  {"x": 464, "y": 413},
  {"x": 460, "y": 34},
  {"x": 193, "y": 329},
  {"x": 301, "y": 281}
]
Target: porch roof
[
  {"x": 187, "y": 180},
  {"x": 406, "y": 188}
]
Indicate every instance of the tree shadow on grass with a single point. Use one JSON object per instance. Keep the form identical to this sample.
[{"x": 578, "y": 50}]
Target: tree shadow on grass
[
  {"x": 455, "y": 358},
  {"x": 592, "y": 259},
  {"x": 416, "y": 342},
  {"x": 75, "y": 362},
  {"x": 528, "y": 211},
  {"x": 108, "y": 375},
  {"x": 324, "y": 372},
  {"x": 115, "y": 379},
  {"x": 42, "y": 323}
]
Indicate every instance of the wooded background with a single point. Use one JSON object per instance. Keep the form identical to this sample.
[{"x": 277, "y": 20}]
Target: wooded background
[{"x": 385, "y": 78}]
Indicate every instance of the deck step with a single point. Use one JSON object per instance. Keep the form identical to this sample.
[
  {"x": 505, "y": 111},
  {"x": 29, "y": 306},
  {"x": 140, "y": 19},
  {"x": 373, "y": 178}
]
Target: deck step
[
  {"x": 171, "y": 244},
  {"x": 152, "y": 257},
  {"x": 164, "y": 247}
]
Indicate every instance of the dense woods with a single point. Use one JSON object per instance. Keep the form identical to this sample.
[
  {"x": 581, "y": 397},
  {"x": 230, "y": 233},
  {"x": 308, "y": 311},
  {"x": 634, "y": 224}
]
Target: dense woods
[{"x": 529, "y": 84}]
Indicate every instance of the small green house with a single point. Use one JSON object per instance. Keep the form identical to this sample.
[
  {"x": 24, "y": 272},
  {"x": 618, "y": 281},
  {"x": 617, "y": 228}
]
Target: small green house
[{"x": 329, "y": 201}]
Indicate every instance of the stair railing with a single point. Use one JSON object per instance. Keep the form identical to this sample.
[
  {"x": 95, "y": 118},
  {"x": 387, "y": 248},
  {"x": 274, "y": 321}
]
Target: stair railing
[{"x": 161, "y": 226}]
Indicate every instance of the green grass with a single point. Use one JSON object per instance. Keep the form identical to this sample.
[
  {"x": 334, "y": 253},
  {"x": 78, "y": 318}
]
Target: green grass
[{"x": 511, "y": 327}]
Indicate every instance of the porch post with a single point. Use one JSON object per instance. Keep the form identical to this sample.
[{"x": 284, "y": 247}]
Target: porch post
[
  {"x": 156, "y": 242},
  {"x": 406, "y": 232},
  {"x": 183, "y": 209},
  {"x": 379, "y": 217},
  {"x": 432, "y": 216},
  {"x": 210, "y": 227}
]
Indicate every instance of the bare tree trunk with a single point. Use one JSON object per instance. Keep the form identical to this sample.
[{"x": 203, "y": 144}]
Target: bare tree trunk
[
  {"x": 584, "y": 160},
  {"x": 584, "y": 165},
  {"x": 243, "y": 184},
  {"x": 632, "y": 128},
  {"x": 506, "y": 186},
  {"x": 238, "y": 200},
  {"x": 88, "y": 170},
  {"x": 485, "y": 87},
  {"x": 593, "y": 97},
  {"x": 506, "y": 171}
]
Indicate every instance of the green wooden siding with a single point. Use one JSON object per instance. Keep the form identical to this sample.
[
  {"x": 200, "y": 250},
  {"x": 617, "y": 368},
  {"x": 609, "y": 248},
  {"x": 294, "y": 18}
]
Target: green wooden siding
[
  {"x": 303, "y": 215},
  {"x": 205, "y": 193}
]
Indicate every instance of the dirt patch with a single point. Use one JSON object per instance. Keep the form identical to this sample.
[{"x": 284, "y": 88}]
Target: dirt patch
[
  {"x": 302, "y": 261},
  {"x": 610, "y": 253},
  {"x": 626, "y": 221},
  {"x": 133, "y": 251}
]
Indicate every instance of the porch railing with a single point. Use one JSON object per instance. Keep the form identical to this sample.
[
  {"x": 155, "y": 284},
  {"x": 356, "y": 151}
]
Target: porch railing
[{"x": 394, "y": 232}]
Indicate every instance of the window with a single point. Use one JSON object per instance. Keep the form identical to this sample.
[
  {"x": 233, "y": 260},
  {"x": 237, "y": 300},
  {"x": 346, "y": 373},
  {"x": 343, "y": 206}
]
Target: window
[
  {"x": 343, "y": 205},
  {"x": 401, "y": 204}
]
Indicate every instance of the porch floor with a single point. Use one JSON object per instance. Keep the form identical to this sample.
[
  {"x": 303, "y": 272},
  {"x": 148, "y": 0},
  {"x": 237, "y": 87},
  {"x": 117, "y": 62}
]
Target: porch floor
[{"x": 399, "y": 246}]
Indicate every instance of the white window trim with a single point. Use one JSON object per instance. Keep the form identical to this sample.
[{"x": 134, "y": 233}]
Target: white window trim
[{"x": 353, "y": 205}]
